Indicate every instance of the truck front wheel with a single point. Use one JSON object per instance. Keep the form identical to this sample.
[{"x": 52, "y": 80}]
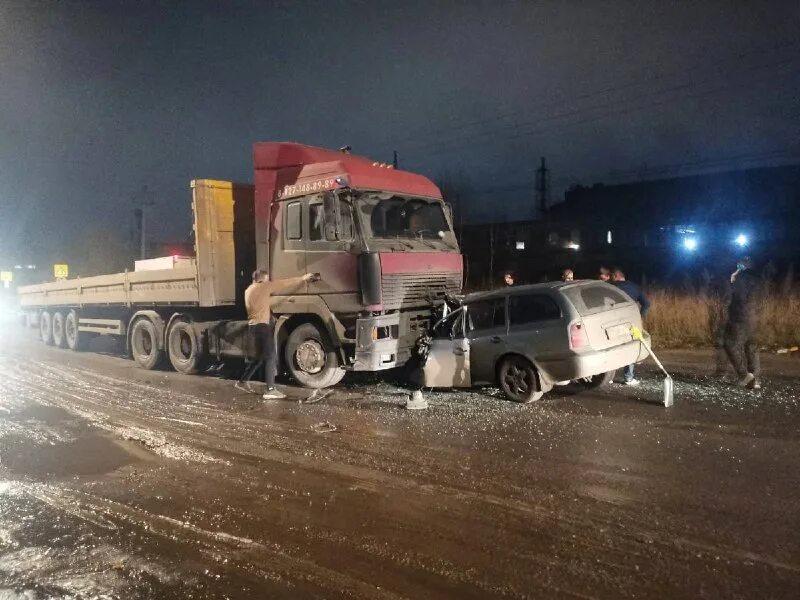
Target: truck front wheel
[
  {"x": 144, "y": 344},
  {"x": 311, "y": 358}
]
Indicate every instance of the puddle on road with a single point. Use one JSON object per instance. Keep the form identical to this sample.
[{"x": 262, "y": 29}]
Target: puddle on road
[{"x": 92, "y": 454}]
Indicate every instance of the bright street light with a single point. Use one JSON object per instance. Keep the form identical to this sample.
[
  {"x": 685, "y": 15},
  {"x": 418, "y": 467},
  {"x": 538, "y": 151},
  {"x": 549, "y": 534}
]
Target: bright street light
[
  {"x": 741, "y": 240},
  {"x": 690, "y": 243}
]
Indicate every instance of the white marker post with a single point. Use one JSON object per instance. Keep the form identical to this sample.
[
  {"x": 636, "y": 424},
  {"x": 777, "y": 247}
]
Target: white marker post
[{"x": 669, "y": 399}]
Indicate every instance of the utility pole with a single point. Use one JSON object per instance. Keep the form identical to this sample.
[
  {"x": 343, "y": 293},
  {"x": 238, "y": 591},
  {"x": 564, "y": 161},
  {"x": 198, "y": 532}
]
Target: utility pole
[
  {"x": 394, "y": 160},
  {"x": 542, "y": 188}
]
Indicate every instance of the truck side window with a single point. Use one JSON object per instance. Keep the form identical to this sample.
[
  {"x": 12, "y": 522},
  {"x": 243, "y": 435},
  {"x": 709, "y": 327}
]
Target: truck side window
[
  {"x": 294, "y": 221},
  {"x": 532, "y": 309},
  {"x": 317, "y": 219},
  {"x": 316, "y": 216}
]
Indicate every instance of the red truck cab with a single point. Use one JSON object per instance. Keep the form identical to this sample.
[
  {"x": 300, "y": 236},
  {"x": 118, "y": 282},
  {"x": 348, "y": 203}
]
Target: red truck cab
[{"x": 382, "y": 241}]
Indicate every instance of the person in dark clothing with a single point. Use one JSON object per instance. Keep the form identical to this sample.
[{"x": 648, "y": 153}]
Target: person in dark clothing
[
  {"x": 634, "y": 291},
  {"x": 718, "y": 321},
  {"x": 739, "y": 338}
]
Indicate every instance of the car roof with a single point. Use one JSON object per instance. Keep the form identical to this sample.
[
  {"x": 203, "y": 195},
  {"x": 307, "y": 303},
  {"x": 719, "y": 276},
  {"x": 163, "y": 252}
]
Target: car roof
[{"x": 530, "y": 288}]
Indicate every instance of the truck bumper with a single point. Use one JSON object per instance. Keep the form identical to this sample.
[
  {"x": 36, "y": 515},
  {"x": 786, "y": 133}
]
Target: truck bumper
[{"x": 379, "y": 345}]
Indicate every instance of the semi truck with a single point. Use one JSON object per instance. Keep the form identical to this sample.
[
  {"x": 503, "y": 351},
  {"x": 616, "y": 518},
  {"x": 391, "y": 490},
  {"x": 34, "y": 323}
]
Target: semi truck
[{"x": 381, "y": 240}]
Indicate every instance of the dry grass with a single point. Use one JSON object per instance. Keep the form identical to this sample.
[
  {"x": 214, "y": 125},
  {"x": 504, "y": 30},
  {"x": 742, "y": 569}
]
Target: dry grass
[{"x": 695, "y": 318}]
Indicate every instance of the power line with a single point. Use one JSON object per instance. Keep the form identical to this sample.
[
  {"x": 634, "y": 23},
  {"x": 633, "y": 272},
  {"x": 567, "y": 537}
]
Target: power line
[
  {"x": 645, "y": 77},
  {"x": 437, "y": 145},
  {"x": 622, "y": 112},
  {"x": 788, "y": 152}
]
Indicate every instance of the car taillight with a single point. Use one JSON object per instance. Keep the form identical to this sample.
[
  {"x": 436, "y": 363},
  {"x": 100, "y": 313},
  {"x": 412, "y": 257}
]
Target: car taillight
[{"x": 577, "y": 335}]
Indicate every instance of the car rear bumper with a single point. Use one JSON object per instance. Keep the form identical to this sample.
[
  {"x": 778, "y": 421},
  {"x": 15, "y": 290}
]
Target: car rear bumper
[{"x": 588, "y": 364}]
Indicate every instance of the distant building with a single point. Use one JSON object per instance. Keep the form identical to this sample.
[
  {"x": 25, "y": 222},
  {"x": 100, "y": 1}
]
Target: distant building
[{"x": 657, "y": 229}]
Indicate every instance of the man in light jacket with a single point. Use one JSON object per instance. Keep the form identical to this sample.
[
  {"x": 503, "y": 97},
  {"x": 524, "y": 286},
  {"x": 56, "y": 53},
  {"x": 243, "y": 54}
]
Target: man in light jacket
[{"x": 257, "y": 299}]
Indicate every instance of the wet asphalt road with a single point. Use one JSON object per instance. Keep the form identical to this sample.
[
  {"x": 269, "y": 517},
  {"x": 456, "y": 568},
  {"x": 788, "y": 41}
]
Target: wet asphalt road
[{"x": 122, "y": 483}]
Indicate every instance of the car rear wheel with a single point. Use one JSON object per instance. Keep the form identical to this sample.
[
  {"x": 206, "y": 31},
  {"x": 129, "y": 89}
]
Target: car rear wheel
[
  {"x": 311, "y": 359},
  {"x": 597, "y": 381},
  {"x": 518, "y": 379}
]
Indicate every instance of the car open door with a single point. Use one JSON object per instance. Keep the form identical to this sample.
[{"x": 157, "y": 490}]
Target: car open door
[{"x": 447, "y": 364}]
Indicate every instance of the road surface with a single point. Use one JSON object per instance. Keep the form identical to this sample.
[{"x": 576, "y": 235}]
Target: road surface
[{"x": 122, "y": 483}]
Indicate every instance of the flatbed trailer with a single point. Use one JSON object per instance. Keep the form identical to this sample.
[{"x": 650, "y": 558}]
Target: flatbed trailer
[{"x": 165, "y": 310}]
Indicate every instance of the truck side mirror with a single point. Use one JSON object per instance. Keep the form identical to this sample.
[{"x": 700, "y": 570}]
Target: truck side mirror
[{"x": 330, "y": 206}]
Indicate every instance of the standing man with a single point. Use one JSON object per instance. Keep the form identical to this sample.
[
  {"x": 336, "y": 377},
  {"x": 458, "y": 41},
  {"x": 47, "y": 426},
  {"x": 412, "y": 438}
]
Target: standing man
[
  {"x": 739, "y": 338},
  {"x": 508, "y": 279},
  {"x": 604, "y": 274},
  {"x": 634, "y": 291},
  {"x": 567, "y": 275},
  {"x": 257, "y": 302}
]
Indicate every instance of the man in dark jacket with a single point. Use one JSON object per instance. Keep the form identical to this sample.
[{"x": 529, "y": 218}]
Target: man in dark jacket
[
  {"x": 635, "y": 292},
  {"x": 739, "y": 337}
]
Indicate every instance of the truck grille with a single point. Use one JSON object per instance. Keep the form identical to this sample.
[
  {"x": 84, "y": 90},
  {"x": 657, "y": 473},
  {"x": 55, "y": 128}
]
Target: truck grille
[{"x": 403, "y": 290}]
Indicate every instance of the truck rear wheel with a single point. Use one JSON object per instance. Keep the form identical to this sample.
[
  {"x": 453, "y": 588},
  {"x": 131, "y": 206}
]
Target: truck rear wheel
[
  {"x": 59, "y": 338},
  {"x": 311, "y": 358},
  {"x": 46, "y": 328},
  {"x": 76, "y": 340},
  {"x": 184, "y": 348},
  {"x": 144, "y": 344}
]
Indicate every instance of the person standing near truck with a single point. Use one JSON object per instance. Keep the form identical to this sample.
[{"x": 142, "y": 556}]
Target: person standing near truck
[
  {"x": 634, "y": 291},
  {"x": 739, "y": 338},
  {"x": 257, "y": 299}
]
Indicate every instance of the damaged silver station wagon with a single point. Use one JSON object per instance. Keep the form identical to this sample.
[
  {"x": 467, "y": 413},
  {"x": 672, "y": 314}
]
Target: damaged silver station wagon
[{"x": 529, "y": 338}]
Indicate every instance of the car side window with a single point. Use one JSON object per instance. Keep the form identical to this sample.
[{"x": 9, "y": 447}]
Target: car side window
[
  {"x": 294, "y": 221},
  {"x": 487, "y": 314},
  {"x": 451, "y": 326},
  {"x": 532, "y": 309}
]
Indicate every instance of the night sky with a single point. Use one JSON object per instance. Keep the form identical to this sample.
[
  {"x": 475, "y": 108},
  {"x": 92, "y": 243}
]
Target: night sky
[{"x": 100, "y": 98}]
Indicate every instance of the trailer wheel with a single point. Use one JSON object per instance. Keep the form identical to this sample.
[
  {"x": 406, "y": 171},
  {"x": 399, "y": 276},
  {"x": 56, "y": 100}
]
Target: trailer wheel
[
  {"x": 184, "y": 348},
  {"x": 311, "y": 358},
  {"x": 46, "y": 328},
  {"x": 144, "y": 344},
  {"x": 76, "y": 339},
  {"x": 59, "y": 338}
]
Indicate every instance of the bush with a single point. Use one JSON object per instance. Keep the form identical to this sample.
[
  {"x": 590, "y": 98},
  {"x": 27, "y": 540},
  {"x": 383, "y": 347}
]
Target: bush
[{"x": 696, "y": 318}]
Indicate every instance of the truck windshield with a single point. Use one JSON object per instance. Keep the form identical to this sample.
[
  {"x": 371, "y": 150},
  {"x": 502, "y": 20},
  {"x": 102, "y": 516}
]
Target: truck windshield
[{"x": 391, "y": 216}]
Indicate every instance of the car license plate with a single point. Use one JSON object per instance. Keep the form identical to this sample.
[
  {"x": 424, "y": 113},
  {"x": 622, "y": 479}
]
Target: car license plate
[{"x": 618, "y": 331}]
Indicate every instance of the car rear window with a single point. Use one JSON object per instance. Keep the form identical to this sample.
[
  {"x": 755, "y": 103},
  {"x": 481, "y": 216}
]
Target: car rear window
[
  {"x": 595, "y": 298},
  {"x": 532, "y": 309}
]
